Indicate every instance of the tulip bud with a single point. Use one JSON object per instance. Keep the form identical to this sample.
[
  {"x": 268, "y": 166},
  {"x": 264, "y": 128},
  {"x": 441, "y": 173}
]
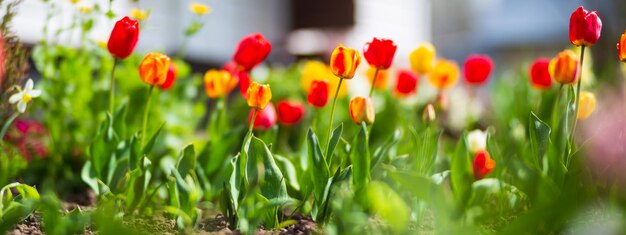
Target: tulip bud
[
  {"x": 539, "y": 74},
  {"x": 379, "y": 53},
  {"x": 477, "y": 68},
  {"x": 242, "y": 76},
  {"x": 362, "y": 110},
  {"x": 422, "y": 58},
  {"x": 123, "y": 38},
  {"x": 218, "y": 83},
  {"x": 564, "y": 67},
  {"x": 444, "y": 75},
  {"x": 153, "y": 68},
  {"x": 265, "y": 118},
  {"x": 251, "y": 51},
  {"x": 621, "y": 47},
  {"x": 318, "y": 96},
  {"x": 477, "y": 140},
  {"x": 258, "y": 96},
  {"x": 483, "y": 164},
  {"x": 429, "y": 115},
  {"x": 586, "y": 105},
  {"x": 290, "y": 112},
  {"x": 584, "y": 27},
  {"x": 406, "y": 83},
  {"x": 381, "y": 77},
  {"x": 170, "y": 79},
  {"x": 344, "y": 61}
]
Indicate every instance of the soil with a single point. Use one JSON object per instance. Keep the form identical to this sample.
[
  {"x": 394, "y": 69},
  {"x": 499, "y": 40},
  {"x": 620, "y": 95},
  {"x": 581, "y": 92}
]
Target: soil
[{"x": 161, "y": 225}]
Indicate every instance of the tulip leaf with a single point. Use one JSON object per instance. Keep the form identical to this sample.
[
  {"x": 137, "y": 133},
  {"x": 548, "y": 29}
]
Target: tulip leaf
[
  {"x": 390, "y": 206},
  {"x": 360, "y": 157},
  {"x": 461, "y": 171},
  {"x": 334, "y": 139},
  {"x": 273, "y": 184},
  {"x": 146, "y": 149},
  {"x": 381, "y": 152},
  {"x": 90, "y": 177},
  {"x": 187, "y": 160},
  {"x": 318, "y": 168},
  {"x": 133, "y": 161},
  {"x": 539, "y": 133},
  {"x": 102, "y": 149},
  {"x": 288, "y": 170}
]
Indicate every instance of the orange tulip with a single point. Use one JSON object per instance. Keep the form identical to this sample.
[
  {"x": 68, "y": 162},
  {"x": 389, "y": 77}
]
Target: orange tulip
[
  {"x": 621, "y": 47},
  {"x": 153, "y": 68},
  {"x": 258, "y": 95},
  {"x": 444, "y": 75},
  {"x": 344, "y": 61},
  {"x": 362, "y": 110},
  {"x": 381, "y": 78},
  {"x": 564, "y": 67},
  {"x": 218, "y": 83}
]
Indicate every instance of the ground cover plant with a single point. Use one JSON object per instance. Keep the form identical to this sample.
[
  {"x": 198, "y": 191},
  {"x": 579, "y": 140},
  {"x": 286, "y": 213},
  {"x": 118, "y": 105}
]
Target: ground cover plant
[{"x": 113, "y": 141}]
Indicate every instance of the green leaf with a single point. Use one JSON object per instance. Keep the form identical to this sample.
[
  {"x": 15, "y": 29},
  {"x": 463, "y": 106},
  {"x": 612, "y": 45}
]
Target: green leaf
[
  {"x": 539, "y": 133},
  {"x": 289, "y": 170},
  {"x": 461, "y": 172},
  {"x": 90, "y": 177},
  {"x": 381, "y": 152},
  {"x": 273, "y": 183},
  {"x": 317, "y": 167},
  {"x": 152, "y": 142},
  {"x": 119, "y": 120},
  {"x": 388, "y": 205},
  {"x": 103, "y": 148},
  {"x": 138, "y": 183},
  {"x": 187, "y": 160},
  {"x": 334, "y": 139},
  {"x": 360, "y": 157},
  {"x": 133, "y": 161}
]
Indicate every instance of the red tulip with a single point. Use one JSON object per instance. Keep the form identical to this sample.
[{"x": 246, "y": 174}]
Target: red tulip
[
  {"x": 251, "y": 51},
  {"x": 123, "y": 38},
  {"x": 584, "y": 27},
  {"x": 243, "y": 76},
  {"x": 265, "y": 118},
  {"x": 483, "y": 164},
  {"x": 318, "y": 96},
  {"x": 540, "y": 75},
  {"x": 290, "y": 112},
  {"x": 406, "y": 83},
  {"x": 379, "y": 52},
  {"x": 170, "y": 79},
  {"x": 477, "y": 68}
]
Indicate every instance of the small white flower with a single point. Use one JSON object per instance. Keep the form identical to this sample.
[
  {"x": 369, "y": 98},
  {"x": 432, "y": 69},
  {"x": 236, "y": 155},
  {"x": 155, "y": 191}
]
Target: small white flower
[
  {"x": 22, "y": 97},
  {"x": 477, "y": 140}
]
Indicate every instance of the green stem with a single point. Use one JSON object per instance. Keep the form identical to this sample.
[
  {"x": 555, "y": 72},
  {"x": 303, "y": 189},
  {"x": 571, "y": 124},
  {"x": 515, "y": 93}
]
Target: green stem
[
  {"x": 145, "y": 117},
  {"x": 555, "y": 120},
  {"x": 7, "y": 124},
  {"x": 332, "y": 113},
  {"x": 254, "y": 113},
  {"x": 112, "y": 88},
  {"x": 577, "y": 99},
  {"x": 374, "y": 82}
]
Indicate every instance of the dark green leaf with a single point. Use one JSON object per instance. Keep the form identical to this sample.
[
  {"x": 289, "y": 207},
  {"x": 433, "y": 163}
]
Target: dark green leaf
[{"x": 360, "y": 157}]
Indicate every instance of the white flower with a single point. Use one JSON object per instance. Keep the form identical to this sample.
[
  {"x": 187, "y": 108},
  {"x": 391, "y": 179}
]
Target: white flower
[
  {"x": 477, "y": 140},
  {"x": 22, "y": 97}
]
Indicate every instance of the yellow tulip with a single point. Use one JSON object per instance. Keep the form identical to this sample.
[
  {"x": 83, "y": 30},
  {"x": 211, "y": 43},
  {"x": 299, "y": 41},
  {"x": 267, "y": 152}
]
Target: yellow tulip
[
  {"x": 344, "y": 61},
  {"x": 422, "y": 58},
  {"x": 258, "y": 95},
  {"x": 444, "y": 75},
  {"x": 586, "y": 105},
  {"x": 218, "y": 83}
]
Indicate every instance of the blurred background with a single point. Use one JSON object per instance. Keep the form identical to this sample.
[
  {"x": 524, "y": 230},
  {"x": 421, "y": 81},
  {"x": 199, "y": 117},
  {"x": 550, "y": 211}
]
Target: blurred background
[{"x": 509, "y": 31}]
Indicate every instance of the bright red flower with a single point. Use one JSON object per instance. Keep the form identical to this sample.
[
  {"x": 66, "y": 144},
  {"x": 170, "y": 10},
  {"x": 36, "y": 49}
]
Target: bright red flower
[
  {"x": 379, "y": 52},
  {"x": 584, "y": 27},
  {"x": 243, "y": 76},
  {"x": 483, "y": 164},
  {"x": 251, "y": 51},
  {"x": 540, "y": 75},
  {"x": 123, "y": 38},
  {"x": 406, "y": 83},
  {"x": 265, "y": 118},
  {"x": 170, "y": 79},
  {"x": 290, "y": 112},
  {"x": 477, "y": 68},
  {"x": 318, "y": 96}
]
